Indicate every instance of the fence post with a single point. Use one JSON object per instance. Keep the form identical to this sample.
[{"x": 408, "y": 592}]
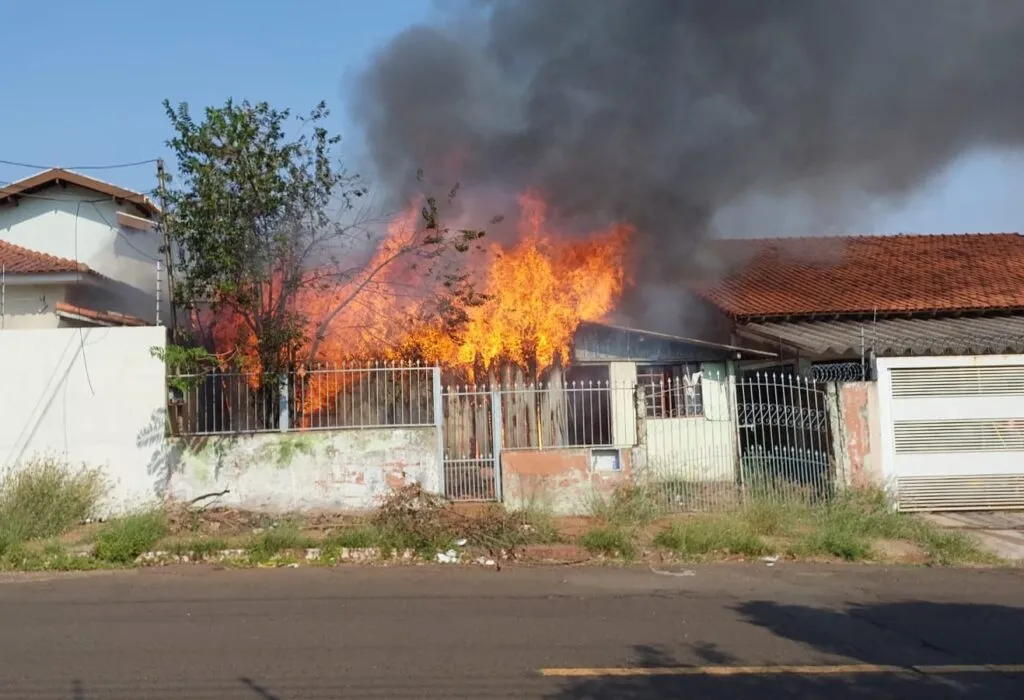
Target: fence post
[
  {"x": 496, "y": 441},
  {"x": 439, "y": 423},
  {"x": 735, "y": 387},
  {"x": 284, "y": 419},
  {"x": 837, "y": 434}
]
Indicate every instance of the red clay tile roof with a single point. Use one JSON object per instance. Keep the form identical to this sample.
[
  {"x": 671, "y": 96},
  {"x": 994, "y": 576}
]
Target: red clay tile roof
[
  {"x": 16, "y": 260},
  {"x": 105, "y": 318},
  {"x": 871, "y": 274}
]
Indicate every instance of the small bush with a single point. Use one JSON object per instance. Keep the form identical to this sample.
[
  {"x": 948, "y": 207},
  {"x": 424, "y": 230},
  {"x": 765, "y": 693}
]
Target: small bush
[
  {"x": 359, "y": 537},
  {"x": 273, "y": 541},
  {"x": 610, "y": 541},
  {"x": 121, "y": 541},
  {"x": 702, "y": 537},
  {"x": 46, "y": 498},
  {"x": 627, "y": 506},
  {"x": 834, "y": 541}
]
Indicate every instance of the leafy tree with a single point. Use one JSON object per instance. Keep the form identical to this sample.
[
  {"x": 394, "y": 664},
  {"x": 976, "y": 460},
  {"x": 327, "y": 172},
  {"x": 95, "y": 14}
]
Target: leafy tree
[{"x": 260, "y": 213}]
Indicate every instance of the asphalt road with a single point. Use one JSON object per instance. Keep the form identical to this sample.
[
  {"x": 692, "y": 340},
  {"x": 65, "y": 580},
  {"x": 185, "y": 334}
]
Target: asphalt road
[{"x": 729, "y": 632}]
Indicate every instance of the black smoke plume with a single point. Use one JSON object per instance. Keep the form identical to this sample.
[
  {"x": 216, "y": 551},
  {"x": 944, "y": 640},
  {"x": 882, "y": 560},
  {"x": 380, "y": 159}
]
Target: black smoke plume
[{"x": 662, "y": 112}]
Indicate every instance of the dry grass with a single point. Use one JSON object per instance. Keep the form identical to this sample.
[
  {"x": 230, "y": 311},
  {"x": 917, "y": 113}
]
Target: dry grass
[{"x": 46, "y": 498}]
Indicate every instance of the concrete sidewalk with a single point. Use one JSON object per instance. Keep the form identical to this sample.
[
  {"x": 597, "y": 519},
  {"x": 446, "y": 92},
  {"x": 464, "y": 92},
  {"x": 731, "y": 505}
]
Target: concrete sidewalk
[{"x": 1000, "y": 533}]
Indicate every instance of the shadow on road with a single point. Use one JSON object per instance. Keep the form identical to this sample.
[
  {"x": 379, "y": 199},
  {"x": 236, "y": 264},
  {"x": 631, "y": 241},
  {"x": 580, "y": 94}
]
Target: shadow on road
[{"x": 897, "y": 634}]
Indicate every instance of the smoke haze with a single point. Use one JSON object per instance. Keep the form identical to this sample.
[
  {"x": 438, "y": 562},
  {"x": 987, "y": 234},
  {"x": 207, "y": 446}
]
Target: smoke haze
[{"x": 665, "y": 112}]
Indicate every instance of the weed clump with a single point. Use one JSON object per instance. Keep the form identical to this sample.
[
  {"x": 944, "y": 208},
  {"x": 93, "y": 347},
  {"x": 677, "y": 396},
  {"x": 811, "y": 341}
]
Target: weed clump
[
  {"x": 46, "y": 498},
  {"x": 610, "y": 541},
  {"x": 701, "y": 537},
  {"x": 122, "y": 540},
  {"x": 627, "y": 506},
  {"x": 274, "y": 541}
]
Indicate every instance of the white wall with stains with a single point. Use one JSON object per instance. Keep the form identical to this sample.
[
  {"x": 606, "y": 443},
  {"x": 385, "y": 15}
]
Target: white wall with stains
[{"x": 326, "y": 470}]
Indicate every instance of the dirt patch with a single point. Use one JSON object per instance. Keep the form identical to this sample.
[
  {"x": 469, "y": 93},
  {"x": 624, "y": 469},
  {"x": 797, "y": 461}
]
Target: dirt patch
[{"x": 900, "y": 552}]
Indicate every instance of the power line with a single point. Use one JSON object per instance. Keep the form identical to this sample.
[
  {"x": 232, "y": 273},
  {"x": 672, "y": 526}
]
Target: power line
[{"x": 114, "y": 166}]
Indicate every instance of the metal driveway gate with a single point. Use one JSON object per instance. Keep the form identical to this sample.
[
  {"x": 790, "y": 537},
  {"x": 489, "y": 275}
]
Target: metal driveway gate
[{"x": 953, "y": 431}]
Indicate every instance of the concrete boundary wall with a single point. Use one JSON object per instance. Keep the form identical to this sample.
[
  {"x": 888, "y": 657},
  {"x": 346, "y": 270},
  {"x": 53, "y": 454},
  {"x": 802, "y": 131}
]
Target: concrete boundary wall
[
  {"x": 339, "y": 470},
  {"x": 91, "y": 396}
]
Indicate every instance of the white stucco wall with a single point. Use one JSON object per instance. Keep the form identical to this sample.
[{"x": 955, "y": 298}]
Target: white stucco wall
[
  {"x": 91, "y": 396},
  {"x": 701, "y": 448},
  {"x": 347, "y": 470},
  {"x": 30, "y": 306},
  {"x": 80, "y": 228}
]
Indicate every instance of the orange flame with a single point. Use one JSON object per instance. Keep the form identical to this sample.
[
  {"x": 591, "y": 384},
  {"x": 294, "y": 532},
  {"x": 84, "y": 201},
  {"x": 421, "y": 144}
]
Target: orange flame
[{"x": 536, "y": 293}]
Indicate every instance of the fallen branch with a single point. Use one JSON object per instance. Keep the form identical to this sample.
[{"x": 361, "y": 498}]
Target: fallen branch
[{"x": 215, "y": 494}]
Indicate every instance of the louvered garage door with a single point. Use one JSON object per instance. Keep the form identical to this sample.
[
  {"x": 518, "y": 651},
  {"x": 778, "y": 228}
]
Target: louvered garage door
[{"x": 957, "y": 434}]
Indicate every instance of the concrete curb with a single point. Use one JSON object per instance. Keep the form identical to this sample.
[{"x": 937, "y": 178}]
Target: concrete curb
[{"x": 312, "y": 555}]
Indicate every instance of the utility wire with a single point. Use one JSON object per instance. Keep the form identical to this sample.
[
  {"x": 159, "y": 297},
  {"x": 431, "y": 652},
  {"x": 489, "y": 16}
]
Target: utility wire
[{"x": 113, "y": 166}]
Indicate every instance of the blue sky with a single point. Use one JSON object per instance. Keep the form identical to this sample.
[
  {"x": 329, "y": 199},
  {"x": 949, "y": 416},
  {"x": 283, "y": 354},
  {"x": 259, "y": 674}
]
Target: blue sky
[
  {"x": 84, "y": 80},
  {"x": 83, "y": 83}
]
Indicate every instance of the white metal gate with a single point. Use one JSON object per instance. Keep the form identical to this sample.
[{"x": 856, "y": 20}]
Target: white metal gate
[
  {"x": 472, "y": 444},
  {"x": 953, "y": 431}
]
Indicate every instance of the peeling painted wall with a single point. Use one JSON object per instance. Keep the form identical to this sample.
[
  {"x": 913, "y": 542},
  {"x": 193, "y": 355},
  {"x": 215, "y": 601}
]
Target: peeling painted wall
[
  {"x": 859, "y": 438},
  {"x": 281, "y": 472},
  {"x": 562, "y": 481}
]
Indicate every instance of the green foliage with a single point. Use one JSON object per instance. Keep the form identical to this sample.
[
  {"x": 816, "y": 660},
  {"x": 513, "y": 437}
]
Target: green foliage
[
  {"x": 358, "y": 537},
  {"x": 197, "y": 547},
  {"x": 951, "y": 547},
  {"x": 122, "y": 540},
  {"x": 610, "y": 541},
  {"x": 276, "y": 540},
  {"x": 250, "y": 207},
  {"x": 628, "y": 505},
  {"x": 46, "y": 497},
  {"x": 835, "y": 539},
  {"x": 185, "y": 365},
  {"x": 258, "y": 215},
  {"x": 703, "y": 536}
]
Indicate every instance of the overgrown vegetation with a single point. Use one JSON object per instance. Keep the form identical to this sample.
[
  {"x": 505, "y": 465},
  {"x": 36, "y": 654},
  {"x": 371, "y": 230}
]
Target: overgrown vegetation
[
  {"x": 703, "y": 537},
  {"x": 610, "y": 541},
  {"x": 42, "y": 502},
  {"x": 123, "y": 540},
  {"x": 844, "y": 528},
  {"x": 628, "y": 506},
  {"x": 275, "y": 541},
  {"x": 46, "y": 498}
]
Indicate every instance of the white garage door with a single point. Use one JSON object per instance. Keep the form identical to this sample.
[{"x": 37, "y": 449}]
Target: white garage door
[{"x": 953, "y": 431}]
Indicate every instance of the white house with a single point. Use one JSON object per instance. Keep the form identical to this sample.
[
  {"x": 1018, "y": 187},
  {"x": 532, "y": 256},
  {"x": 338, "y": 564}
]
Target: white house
[{"x": 74, "y": 249}]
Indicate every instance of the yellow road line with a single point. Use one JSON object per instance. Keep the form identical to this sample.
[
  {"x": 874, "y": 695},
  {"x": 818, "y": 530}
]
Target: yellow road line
[{"x": 840, "y": 669}]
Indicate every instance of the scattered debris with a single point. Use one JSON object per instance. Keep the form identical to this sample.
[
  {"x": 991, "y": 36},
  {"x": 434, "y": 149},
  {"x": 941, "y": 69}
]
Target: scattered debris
[
  {"x": 771, "y": 560},
  {"x": 449, "y": 557}
]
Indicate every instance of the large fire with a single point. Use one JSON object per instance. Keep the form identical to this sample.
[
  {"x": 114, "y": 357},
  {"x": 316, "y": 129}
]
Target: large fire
[{"x": 534, "y": 295}]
